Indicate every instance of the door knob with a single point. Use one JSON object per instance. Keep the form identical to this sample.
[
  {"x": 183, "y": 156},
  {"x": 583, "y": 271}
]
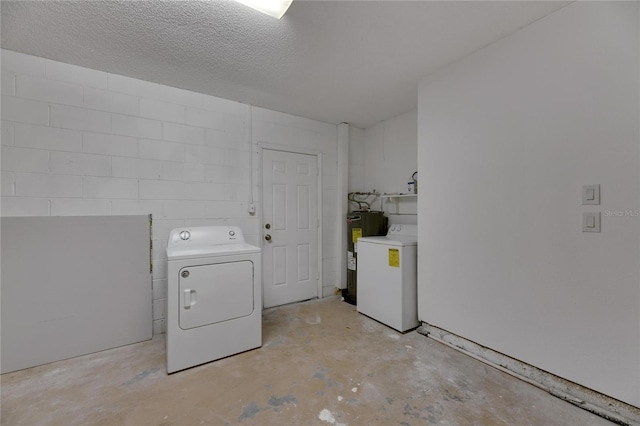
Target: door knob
[
  {"x": 267, "y": 237},
  {"x": 268, "y": 226}
]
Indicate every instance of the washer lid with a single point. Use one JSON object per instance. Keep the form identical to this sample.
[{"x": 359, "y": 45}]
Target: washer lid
[
  {"x": 192, "y": 252},
  {"x": 395, "y": 241}
]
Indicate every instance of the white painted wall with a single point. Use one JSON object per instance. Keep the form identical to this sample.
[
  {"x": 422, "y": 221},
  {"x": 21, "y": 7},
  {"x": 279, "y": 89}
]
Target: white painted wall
[
  {"x": 344, "y": 131},
  {"x": 77, "y": 141},
  {"x": 507, "y": 137},
  {"x": 356, "y": 160},
  {"x": 383, "y": 157}
]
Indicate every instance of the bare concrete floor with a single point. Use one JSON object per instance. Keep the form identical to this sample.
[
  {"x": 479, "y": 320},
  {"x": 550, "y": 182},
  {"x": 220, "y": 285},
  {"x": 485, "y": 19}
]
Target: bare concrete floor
[{"x": 321, "y": 363}]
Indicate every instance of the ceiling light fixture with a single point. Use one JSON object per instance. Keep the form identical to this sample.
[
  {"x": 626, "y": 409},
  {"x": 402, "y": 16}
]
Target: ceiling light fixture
[{"x": 275, "y": 8}]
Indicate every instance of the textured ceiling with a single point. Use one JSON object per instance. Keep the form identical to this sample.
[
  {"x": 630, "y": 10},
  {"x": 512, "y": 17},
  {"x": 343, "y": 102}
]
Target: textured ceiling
[{"x": 344, "y": 61}]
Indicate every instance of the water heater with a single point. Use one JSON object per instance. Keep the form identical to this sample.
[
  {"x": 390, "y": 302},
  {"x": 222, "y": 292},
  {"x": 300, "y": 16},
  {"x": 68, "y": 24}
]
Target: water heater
[{"x": 360, "y": 224}]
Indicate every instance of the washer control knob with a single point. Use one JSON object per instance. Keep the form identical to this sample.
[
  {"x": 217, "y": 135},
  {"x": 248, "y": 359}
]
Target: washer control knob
[
  {"x": 185, "y": 235},
  {"x": 184, "y": 274},
  {"x": 232, "y": 233}
]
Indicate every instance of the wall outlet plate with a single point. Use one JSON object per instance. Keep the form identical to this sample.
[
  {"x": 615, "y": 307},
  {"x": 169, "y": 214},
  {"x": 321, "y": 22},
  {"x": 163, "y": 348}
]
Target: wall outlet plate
[
  {"x": 591, "y": 222},
  {"x": 590, "y": 195}
]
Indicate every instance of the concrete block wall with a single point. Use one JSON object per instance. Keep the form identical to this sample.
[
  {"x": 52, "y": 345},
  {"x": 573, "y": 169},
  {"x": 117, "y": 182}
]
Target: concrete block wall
[
  {"x": 77, "y": 142},
  {"x": 383, "y": 157},
  {"x": 357, "y": 181},
  {"x": 272, "y": 127}
]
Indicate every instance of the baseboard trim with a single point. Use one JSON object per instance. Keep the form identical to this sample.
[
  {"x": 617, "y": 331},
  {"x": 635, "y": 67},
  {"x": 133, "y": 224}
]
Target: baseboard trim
[{"x": 595, "y": 402}]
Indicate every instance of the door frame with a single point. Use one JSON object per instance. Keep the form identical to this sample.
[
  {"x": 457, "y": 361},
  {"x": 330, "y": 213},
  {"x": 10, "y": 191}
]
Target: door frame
[{"x": 294, "y": 150}]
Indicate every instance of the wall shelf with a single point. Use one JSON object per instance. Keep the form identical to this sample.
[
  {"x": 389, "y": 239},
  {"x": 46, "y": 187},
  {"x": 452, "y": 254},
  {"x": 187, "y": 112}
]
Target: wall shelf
[
  {"x": 395, "y": 198},
  {"x": 398, "y": 195}
]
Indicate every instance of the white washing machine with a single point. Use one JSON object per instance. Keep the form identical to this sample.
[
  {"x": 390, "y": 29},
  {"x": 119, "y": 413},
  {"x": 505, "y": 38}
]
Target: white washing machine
[
  {"x": 214, "y": 298},
  {"x": 387, "y": 277}
]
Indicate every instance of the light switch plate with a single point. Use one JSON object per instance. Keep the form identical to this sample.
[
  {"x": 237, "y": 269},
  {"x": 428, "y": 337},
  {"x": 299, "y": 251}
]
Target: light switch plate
[
  {"x": 591, "y": 222},
  {"x": 590, "y": 195}
]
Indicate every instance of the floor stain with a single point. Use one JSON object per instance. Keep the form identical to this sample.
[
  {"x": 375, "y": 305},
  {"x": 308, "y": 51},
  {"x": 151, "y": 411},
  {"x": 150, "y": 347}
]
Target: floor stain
[
  {"x": 314, "y": 321},
  {"x": 319, "y": 374},
  {"x": 278, "y": 341},
  {"x": 448, "y": 395},
  {"x": 250, "y": 411},
  {"x": 327, "y": 416},
  {"x": 434, "y": 415},
  {"x": 278, "y": 402},
  {"x": 141, "y": 376},
  {"x": 411, "y": 411}
]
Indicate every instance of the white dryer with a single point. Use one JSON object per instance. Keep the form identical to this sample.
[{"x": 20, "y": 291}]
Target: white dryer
[
  {"x": 214, "y": 297},
  {"x": 387, "y": 277}
]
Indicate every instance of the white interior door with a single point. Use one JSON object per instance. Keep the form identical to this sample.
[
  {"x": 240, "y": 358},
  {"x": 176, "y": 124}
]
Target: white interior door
[{"x": 290, "y": 227}]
